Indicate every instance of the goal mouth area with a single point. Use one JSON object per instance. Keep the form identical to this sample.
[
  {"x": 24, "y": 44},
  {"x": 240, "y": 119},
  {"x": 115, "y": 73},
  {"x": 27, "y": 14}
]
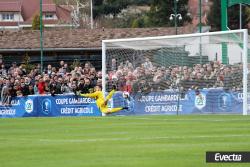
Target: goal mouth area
[{"x": 211, "y": 66}]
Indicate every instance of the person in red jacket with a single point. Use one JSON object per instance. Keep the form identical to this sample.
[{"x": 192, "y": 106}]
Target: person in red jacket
[{"x": 41, "y": 86}]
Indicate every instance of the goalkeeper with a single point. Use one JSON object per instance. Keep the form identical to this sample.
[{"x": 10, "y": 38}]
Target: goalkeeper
[{"x": 101, "y": 102}]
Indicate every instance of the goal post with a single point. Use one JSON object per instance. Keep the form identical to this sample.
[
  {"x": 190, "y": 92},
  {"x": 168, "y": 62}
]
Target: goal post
[
  {"x": 245, "y": 71},
  {"x": 189, "y": 66}
]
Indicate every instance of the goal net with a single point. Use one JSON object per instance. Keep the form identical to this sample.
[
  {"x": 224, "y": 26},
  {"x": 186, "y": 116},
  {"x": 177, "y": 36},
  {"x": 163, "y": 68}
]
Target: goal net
[{"x": 192, "y": 73}]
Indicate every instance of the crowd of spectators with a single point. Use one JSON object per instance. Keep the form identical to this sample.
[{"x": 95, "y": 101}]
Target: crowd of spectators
[
  {"x": 148, "y": 77},
  {"x": 17, "y": 81}
]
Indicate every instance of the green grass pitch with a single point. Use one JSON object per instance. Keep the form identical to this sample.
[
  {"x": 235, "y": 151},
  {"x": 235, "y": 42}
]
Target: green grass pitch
[{"x": 134, "y": 141}]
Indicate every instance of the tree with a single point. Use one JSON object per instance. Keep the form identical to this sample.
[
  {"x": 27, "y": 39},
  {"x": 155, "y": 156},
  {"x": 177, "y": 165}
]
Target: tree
[
  {"x": 27, "y": 65},
  {"x": 214, "y": 16},
  {"x": 141, "y": 2},
  {"x": 36, "y": 22},
  {"x": 248, "y": 17},
  {"x": 161, "y": 10},
  {"x": 137, "y": 23},
  {"x": 107, "y": 7},
  {"x": 76, "y": 63}
]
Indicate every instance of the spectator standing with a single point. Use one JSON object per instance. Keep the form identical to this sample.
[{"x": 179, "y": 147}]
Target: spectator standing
[
  {"x": 86, "y": 69},
  {"x": 148, "y": 64},
  {"x": 87, "y": 86},
  {"x": 65, "y": 89},
  {"x": 41, "y": 86},
  {"x": 81, "y": 86},
  {"x": 3, "y": 71},
  {"x": 113, "y": 65},
  {"x": 5, "y": 95},
  {"x": 48, "y": 70},
  {"x": 35, "y": 88}
]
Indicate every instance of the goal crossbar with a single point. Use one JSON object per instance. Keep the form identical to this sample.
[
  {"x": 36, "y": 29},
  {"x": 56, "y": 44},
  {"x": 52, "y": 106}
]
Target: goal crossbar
[{"x": 176, "y": 36}]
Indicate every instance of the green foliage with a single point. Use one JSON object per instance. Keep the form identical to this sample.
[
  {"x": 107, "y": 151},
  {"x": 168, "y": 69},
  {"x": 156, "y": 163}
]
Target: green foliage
[
  {"x": 63, "y": 2},
  {"x": 36, "y": 22},
  {"x": 114, "y": 7},
  {"x": 76, "y": 63},
  {"x": 214, "y": 17},
  {"x": 126, "y": 20},
  {"x": 27, "y": 65},
  {"x": 57, "y": 1},
  {"x": 157, "y": 16},
  {"x": 107, "y": 7},
  {"x": 233, "y": 17},
  {"x": 161, "y": 10},
  {"x": 248, "y": 14},
  {"x": 141, "y": 2},
  {"x": 135, "y": 23},
  {"x": 141, "y": 22}
]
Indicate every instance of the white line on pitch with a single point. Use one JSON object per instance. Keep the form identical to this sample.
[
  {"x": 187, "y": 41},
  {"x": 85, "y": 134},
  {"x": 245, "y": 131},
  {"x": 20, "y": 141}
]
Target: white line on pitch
[
  {"x": 123, "y": 139},
  {"x": 140, "y": 138}
]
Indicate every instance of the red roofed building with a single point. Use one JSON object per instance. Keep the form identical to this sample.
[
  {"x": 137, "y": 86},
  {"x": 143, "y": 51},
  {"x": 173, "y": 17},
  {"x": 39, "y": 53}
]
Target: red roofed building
[{"x": 20, "y": 13}]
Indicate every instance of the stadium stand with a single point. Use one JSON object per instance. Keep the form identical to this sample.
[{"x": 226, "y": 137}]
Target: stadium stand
[
  {"x": 147, "y": 77},
  {"x": 16, "y": 81}
]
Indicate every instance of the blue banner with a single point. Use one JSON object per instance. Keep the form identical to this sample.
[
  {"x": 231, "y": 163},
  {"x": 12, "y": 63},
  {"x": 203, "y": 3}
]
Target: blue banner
[
  {"x": 207, "y": 101},
  {"x": 50, "y": 106},
  {"x": 19, "y": 107},
  {"x": 67, "y": 106}
]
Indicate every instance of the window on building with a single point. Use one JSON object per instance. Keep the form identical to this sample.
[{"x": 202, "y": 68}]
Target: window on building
[
  {"x": 8, "y": 16},
  {"x": 49, "y": 16}
]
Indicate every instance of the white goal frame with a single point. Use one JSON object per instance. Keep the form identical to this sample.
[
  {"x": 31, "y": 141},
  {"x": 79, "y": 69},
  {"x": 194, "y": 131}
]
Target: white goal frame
[{"x": 244, "y": 55}]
